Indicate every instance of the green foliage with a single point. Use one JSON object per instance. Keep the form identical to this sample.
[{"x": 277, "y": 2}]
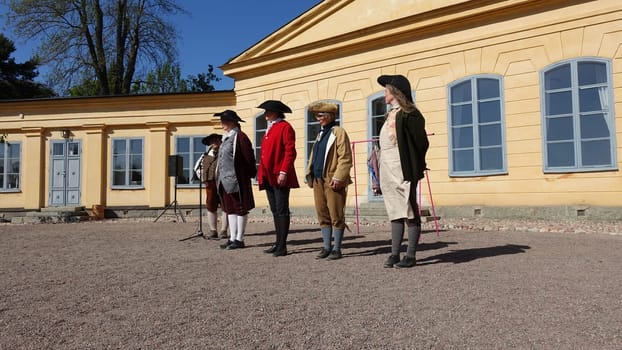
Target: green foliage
[
  {"x": 103, "y": 42},
  {"x": 167, "y": 79},
  {"x": 17, "y": 79}
]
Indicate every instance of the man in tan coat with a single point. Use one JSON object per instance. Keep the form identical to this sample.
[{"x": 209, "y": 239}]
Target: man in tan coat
[{"x": 328, "y": 173}]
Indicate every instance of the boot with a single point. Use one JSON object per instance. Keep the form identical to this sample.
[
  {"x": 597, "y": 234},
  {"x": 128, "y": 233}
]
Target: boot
[
  {"x": 272, "y": 249},
  {"x": 281, "y": 235},
  {"x": 414, "y": 233}
]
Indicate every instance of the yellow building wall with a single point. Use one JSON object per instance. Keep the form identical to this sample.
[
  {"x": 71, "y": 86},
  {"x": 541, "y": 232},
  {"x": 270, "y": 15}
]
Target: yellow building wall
[
  {"x": 157, "y": 119},
  {"x": 516, "y": 49}
]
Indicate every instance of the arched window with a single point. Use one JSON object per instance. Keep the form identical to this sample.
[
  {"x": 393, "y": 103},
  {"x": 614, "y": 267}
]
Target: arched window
[
  {"x": 476, "y": 127},
  {"x": 376, "y": 110},
  {"x": 261, "y": 125},
  {"x": 313, "y": 127},
  {"x": 577, "y": 116}
]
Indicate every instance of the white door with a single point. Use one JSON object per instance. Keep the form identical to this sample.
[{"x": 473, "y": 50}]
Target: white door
[{"x": 65, "y": 160}]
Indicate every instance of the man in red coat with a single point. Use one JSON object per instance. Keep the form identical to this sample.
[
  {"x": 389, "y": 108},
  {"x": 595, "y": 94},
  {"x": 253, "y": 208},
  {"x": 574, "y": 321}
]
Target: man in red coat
[{"x": 276, "y": 173}]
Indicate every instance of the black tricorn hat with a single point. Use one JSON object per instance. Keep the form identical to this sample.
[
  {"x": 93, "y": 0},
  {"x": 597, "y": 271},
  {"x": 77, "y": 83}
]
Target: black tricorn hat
[
  {"x": 399, "y": 81},
  {"x": 275, "y": 106},
  {"x": 207, "y": 140},
  {"x": 229, "y": 115}
]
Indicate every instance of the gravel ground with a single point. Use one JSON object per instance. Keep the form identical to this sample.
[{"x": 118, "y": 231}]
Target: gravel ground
[{"x": 480, "y": 284}]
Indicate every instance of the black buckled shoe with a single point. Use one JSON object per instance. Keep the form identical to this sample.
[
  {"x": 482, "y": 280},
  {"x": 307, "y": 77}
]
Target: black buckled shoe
[
  {"x": 236, "y": 245},
  {"x": 280, "y": 252},
  {"x": 212, "y": 235},
  {"x": 334, "y": 255},
  {"x": 392, "y": 260},
  {"x": 270, "y": 250},
  {"x": 322, "y": 254},
  {"x": 407, "y": 261},
  {"x": 226, "y": 244}
]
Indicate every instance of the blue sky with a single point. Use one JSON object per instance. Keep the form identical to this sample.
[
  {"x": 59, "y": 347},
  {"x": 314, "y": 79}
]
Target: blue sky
[{"x": 214, "y": 32}]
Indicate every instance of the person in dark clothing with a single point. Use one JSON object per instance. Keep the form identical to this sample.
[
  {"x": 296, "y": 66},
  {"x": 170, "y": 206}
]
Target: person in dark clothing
[
  {"x": 235, "y": 170},
  {"x": 276, "y": 174},
  {"x": 403, "y": 145}
]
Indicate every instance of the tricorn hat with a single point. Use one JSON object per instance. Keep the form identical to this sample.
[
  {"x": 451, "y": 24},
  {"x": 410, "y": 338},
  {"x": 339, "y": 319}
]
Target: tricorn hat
[
  {"x": 229, "y": 115},
  {"x": 324, "y": 107},
  {"x": 207, "y": 140},
  {"x": 275, "y": 106},
  {"x": 399, "y": 81}
]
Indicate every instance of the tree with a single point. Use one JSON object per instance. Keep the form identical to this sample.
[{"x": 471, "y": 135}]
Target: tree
[
  {"x": 17, "y": 79},
  {"x": 167, "y": 79},
  {"x": 164, "y": 79},
  {"x": 203, "y": 82},
  {"x": 101, "y": 41}
]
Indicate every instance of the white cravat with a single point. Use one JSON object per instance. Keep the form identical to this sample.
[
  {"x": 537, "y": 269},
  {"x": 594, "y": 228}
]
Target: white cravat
[{"x": 270, "y": 123}]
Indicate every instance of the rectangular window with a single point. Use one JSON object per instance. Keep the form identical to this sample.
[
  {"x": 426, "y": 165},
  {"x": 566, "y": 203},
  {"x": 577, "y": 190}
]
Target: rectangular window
[
  {"x": 127, "y": 162},
  {"x": 577, "y": 117},
  {"x": 190, "y": 148},
  {"x": 10, "y": 166},
  {"x": 476, "y": 127}
]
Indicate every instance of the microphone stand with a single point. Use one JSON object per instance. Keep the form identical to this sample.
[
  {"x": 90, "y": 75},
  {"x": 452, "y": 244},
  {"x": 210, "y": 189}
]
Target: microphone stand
[{"x": 199, "y": 232}]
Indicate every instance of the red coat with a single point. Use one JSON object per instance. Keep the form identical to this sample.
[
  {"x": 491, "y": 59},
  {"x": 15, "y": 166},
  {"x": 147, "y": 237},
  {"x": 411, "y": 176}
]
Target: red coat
[{"x": 278, "y": 153}]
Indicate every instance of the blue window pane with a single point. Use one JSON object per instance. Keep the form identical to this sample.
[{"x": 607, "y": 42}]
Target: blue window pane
[
  {"x": 487, "y": 88},
  {"x": 591, "y": 99},
  {"x": 461, "y": 115},
  {"x": 596, "y": 152},
  {"x": 557, "y": 78},
  {"x": 14, "y": 150},
  {"x": 136, "y": 162},
  {"x": 136, "y": 178},
  {"x": 136, "y": 146},
  {"x": 183, "y": 145},
  {"x": 558, "y": 129},
  {"x": 559, "y": 103},
  {"x": 14, "y": 166},
  {"x": 118, "y": 163},
  {"x": 197, "y": 143},
  {"x": 462, "y": 137},
  {"x": 560, "y": 154},
  {"x": 463, "y": 160},
  {"x": 378, "y": 106},
  {"x": 313, "y": 131},
  {"x": 592, "y": 73},
  {"x": 490, "y": 135},
  {"x": 489, "y": 111},
  {"x": 461, "y": 92},
  {"x": 491, "y": 158},
  {"x": 118, "y": 178},
  {"x": 118, "y": 147},
  {"x": 58, "y": 149},
  {"x": 261, "y": 123},
  {"x": 593, "y": 126}
]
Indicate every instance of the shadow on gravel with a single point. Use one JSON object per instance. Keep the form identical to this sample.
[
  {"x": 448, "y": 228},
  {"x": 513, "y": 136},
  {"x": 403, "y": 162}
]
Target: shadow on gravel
[
  {"x": 384, "y": 247},
  {"x": 271, "y": 232},
  {"x": 466, "y": 255}
]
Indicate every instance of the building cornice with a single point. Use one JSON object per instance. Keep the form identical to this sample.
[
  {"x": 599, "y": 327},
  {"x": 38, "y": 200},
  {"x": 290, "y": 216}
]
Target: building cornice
[{"x": 436, "y": 22}]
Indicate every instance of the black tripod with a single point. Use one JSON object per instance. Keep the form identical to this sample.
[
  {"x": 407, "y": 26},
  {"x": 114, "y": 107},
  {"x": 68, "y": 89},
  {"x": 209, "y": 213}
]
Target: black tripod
[
  {"x": 173, "y": 204},
  {"x": 199, "y": 232}
]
